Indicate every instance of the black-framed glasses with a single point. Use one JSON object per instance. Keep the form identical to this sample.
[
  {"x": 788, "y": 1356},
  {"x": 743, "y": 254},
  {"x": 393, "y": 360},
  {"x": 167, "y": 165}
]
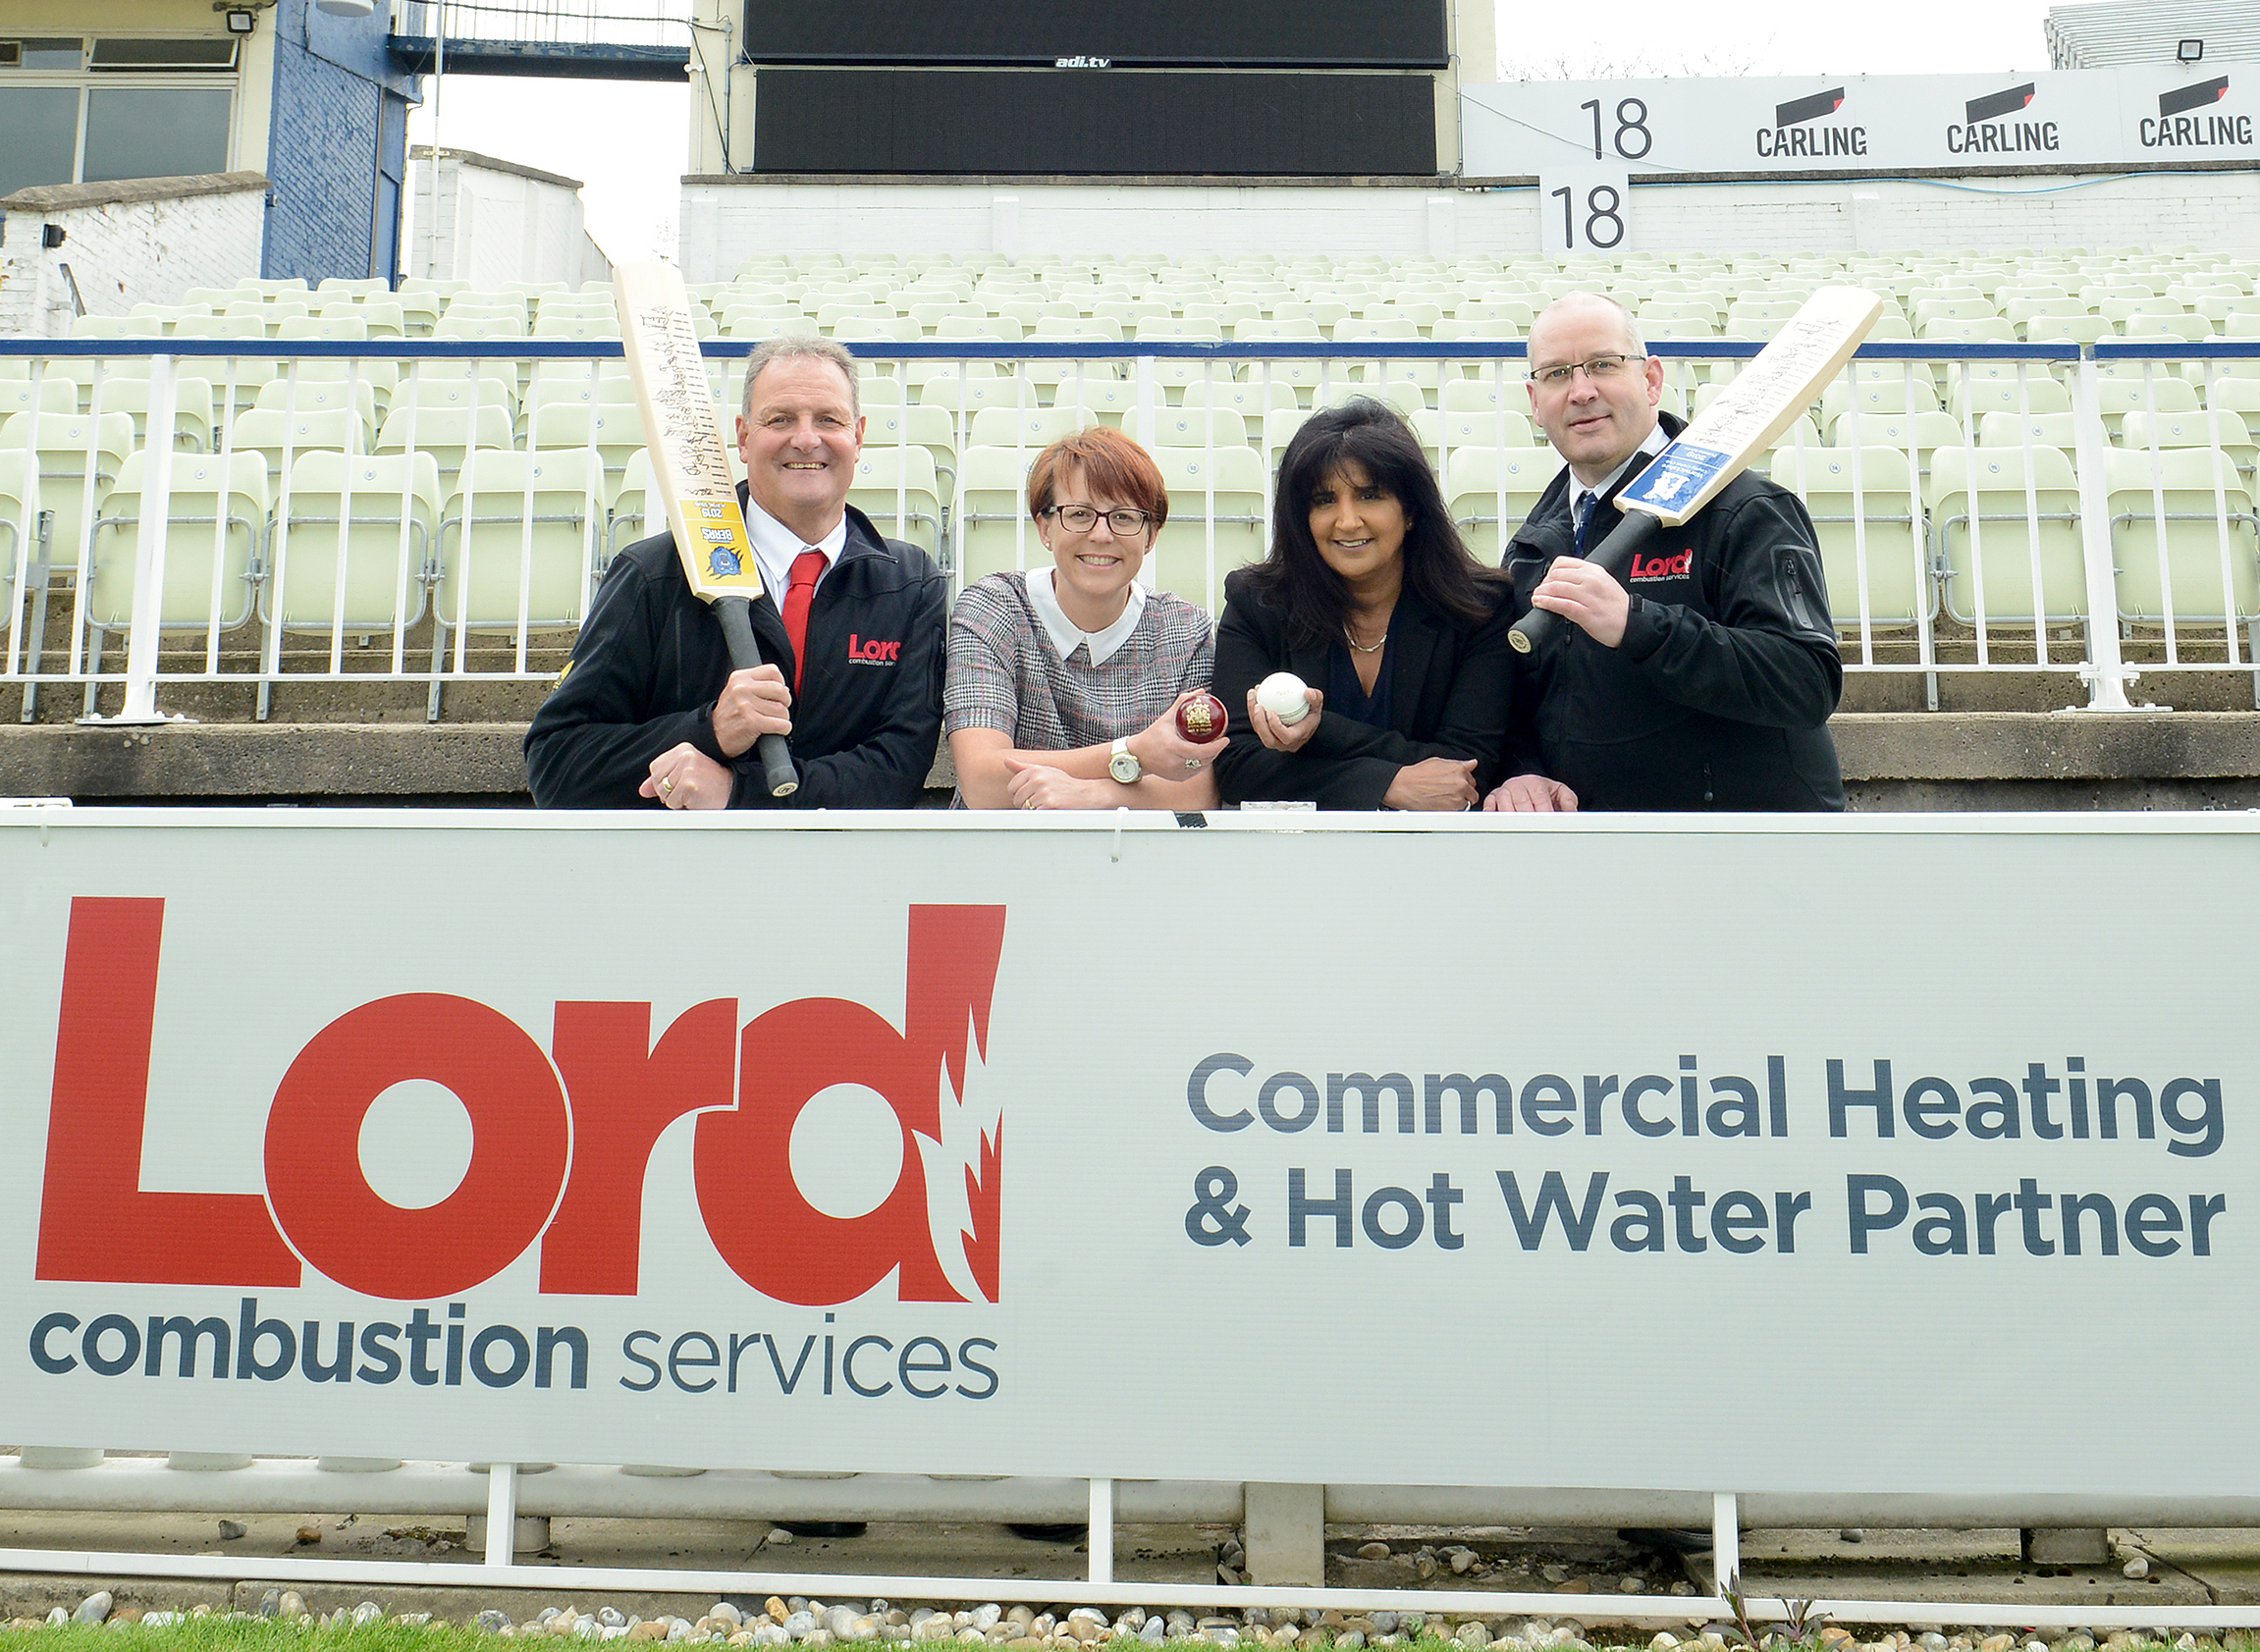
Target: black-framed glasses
[
  {"x": 1598, "y": 369},
  {"x": 1123, "y": 522}
]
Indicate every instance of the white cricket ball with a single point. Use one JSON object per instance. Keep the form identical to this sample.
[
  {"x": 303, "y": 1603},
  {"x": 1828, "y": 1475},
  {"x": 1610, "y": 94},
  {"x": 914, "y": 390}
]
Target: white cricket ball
[{"x": 1281, "y": 694}]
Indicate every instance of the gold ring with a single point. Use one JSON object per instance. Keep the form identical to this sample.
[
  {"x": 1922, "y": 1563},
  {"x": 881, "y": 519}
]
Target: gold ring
[{"x": 667, "y": 785}]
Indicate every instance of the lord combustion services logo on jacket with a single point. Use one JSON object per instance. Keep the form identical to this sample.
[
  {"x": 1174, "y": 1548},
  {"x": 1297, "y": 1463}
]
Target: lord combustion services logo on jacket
[{"x": 561, "y": 1137}]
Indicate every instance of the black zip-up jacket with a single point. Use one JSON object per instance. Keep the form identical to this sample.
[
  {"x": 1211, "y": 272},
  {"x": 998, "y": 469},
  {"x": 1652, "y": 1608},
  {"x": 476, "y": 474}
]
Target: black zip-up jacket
[
  {"x": 1448, "y": 698},
  {"x": 650, "y": 659},
  {"x": 1720, "y": 693}
]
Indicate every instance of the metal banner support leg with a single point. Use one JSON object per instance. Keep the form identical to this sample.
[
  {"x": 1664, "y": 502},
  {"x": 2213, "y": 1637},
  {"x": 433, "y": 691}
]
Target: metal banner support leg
[
  {"x": 1101, "y": 1531},
  {"x": 502, "y": 1512},
  {"x": 1725, "y": 1542}
]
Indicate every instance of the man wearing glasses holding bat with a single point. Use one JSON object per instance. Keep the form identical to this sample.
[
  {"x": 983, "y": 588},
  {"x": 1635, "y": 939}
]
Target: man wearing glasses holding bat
[
  {"x": 650, "y": 710},
  {"x": 1705, "y": 677}
]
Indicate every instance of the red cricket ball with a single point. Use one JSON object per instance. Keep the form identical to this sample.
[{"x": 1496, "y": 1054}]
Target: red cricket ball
[{"x": 1201, "y": 718}]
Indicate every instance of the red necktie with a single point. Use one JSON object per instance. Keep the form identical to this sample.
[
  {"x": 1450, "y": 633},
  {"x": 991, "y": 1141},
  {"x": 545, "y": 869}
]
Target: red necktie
[{"x": 807, "y": 569}]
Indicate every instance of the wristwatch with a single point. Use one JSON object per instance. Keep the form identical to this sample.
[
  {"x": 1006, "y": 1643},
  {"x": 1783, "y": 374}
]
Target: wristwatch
[{"x": 1124, "y": 765}]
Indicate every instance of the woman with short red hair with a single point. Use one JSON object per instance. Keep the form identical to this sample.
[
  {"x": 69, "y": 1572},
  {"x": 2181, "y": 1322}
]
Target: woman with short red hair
[{"x": 1064, "y": 681}]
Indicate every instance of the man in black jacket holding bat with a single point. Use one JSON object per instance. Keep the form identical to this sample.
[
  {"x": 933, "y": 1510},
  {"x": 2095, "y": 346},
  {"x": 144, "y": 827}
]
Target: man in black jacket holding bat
[
  {"x": 649, "y": 709},
  {"x": 1705, "y": 678}
]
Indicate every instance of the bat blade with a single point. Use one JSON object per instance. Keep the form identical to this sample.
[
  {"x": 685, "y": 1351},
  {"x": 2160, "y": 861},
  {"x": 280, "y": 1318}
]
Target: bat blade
[
  {"x": 1757, "y": 404},
  {"x": 689, "y": 456},
  {"x": 690, "y": 469}
]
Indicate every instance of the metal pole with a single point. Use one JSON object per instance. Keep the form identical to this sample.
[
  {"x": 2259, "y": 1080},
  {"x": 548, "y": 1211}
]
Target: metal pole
[
  {"x": 1101, "y": 1531},
  {"x": 1725, "y": 1542},
  {"x": 2107, "y": 671},
  {"x": 149, "y": 548},
  {"x": 439, "y": 84},
  {"x": 501, "y": 1512}
]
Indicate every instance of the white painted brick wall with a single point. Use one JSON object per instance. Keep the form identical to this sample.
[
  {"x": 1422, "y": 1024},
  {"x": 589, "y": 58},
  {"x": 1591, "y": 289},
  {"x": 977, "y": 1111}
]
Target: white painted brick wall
[
  {"x": 497, "y": 226},
  {"x": 723, "y": 222},
  {"x": 123, "y": 253}
]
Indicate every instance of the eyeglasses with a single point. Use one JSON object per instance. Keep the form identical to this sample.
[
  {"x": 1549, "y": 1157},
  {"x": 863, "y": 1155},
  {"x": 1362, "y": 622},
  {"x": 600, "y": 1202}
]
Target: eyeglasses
[
  {"x": 1598, "y": 369},
  {"x": 1124, "y": 523}
]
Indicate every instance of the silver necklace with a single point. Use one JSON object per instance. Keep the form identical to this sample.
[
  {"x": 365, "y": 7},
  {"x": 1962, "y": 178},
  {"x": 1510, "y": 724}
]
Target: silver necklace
[{"x": 1351, "y": 637}]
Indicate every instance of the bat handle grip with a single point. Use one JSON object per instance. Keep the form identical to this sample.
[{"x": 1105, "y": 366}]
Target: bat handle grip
[
  {"x": 777, "y": 770},
  {"x": 1612, "y": 556}
]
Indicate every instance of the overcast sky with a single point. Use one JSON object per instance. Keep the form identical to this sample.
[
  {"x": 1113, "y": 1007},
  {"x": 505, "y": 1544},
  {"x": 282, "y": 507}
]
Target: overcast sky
[{"x": 627, "y": 141}]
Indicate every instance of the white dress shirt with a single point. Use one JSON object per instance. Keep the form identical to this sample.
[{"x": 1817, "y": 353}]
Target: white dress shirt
[
  {"x": 1651, "y": 445},
  {"x": 776, "y": 546}
]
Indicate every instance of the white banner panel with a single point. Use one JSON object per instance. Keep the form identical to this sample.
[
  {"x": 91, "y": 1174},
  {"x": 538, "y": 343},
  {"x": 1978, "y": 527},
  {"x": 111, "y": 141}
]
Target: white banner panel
[
  {"x": 1866, "y": 123},
  {"x": 1646, "y": 1153}
]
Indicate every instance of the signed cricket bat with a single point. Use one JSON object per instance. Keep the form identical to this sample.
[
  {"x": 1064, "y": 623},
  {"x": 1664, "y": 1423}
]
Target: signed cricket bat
[
  {"x": 690, "y": 468},
  {"x": 1756, "y": 406}
]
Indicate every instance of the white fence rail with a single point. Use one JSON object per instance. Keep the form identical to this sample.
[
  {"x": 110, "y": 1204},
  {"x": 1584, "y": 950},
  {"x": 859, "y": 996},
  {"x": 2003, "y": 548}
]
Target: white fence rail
[{"x": 431, "y": 511}]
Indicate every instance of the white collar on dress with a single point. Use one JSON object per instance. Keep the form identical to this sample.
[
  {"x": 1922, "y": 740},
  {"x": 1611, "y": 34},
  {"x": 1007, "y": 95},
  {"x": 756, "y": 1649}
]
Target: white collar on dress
[{"x": 1065, "y": 633}]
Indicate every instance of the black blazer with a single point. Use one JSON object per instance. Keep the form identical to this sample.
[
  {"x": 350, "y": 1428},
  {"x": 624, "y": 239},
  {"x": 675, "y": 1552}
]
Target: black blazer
[{"x": 1449, "y": 697}]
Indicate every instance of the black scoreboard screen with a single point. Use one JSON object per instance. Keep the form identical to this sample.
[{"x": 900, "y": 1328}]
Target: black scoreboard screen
[
  {"x": 1099, "y": 33},
  {"x": 973, "y": 121}
]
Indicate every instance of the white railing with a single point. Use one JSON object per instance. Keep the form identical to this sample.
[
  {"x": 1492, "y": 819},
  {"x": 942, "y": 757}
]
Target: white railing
[{"x": 1972, "y": 501}]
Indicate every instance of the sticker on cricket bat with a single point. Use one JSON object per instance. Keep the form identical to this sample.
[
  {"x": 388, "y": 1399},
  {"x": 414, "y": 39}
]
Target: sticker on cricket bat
[{"x": 1757, "y": 404}]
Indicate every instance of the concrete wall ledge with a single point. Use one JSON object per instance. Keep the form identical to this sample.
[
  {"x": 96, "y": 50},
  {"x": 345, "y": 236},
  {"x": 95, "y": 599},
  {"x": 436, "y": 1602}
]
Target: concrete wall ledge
[
  {"x": 1923, "y": 760},
  {"x": 65, "y": 197},
  {"x": 2048, "y": 745}
]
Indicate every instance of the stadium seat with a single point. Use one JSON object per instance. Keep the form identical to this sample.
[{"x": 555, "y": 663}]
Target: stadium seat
[
  {"x": 1029, "y": 428},
  {"x": 316, "y": 397},
  {"x": 896, "y": 488},
  {"x": 1186, "y": 427},
  {"x": 2159, "y": 392},
  {"x": 612, "y": 430},
  {"x": 1251, "y": 397},
  {"x": 1498, "y": 427},
  {"x": 2188, "y": 512},
  {"x": 192, "y": 407},
  {"x": 1216, "y": 521},
  {"x": 2007, "y": 540},
  {"x": 1968, "y": 398},
  {"x": 2222, "y": 428},
  {"x": 1491, "y": 491},
  {"x": 447, "y": 434},
  {"x": 278, "y": 437},
  {"x": 1866, "y": 512},
  {"x": 80, "y": 459},
  {"x": 215, "y": 537},
  {"x": 992, "y": 530},
  {"x": 517, "y": 546},
  {"x": 921, "y": 425},
  {"x": 353, "y": 545},
  {"x": 55, "y": 393},
  {"x": 1896, "y": 394}
]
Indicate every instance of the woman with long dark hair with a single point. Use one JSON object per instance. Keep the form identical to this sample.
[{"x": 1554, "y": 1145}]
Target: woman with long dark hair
[{"x": 1400, "y": 636}]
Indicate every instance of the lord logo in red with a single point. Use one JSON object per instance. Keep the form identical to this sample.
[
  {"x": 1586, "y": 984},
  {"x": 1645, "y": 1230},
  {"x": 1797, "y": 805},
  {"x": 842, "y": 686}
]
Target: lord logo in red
[
  {"x": 560, "y": 1139},
  {"x": 1661, "y": 567},
  {"x": 874, "y": 650}
]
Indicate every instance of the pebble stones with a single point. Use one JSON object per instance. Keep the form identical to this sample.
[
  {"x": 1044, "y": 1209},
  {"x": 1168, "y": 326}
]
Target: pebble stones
[
  {"x": 492, "y": 1621},
  {"x": 2137, "y": 1568},
  {"x": 94, "y": 1608},
  {"x": 1373, "y": 1551}
]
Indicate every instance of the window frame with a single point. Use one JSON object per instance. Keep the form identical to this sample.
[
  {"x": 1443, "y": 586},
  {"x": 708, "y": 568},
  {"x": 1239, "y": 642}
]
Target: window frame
[{"x": 86, "y": 79}]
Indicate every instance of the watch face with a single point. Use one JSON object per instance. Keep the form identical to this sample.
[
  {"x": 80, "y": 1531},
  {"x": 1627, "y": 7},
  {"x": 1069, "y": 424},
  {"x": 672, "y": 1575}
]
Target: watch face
[{"x": 1124, "y": 767}]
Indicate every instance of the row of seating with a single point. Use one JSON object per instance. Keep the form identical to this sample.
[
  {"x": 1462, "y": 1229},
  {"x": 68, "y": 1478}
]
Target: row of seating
[{"x": 515, "y": 541}]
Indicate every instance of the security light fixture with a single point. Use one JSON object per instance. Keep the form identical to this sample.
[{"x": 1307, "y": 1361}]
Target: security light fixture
[
  {"x": 242, "y": 21},
  {"x": 2189, "y": 50}
]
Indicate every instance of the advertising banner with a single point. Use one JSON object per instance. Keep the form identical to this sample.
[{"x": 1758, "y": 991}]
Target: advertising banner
[
  {"x": 1866, "y": 123},
  {"x": 1783, "y": 1155}
]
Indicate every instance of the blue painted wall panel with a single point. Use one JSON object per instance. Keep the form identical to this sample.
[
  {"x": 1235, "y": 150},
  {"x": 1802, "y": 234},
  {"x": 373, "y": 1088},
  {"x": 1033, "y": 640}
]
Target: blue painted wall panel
[{"x": 339, "y": 122}]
